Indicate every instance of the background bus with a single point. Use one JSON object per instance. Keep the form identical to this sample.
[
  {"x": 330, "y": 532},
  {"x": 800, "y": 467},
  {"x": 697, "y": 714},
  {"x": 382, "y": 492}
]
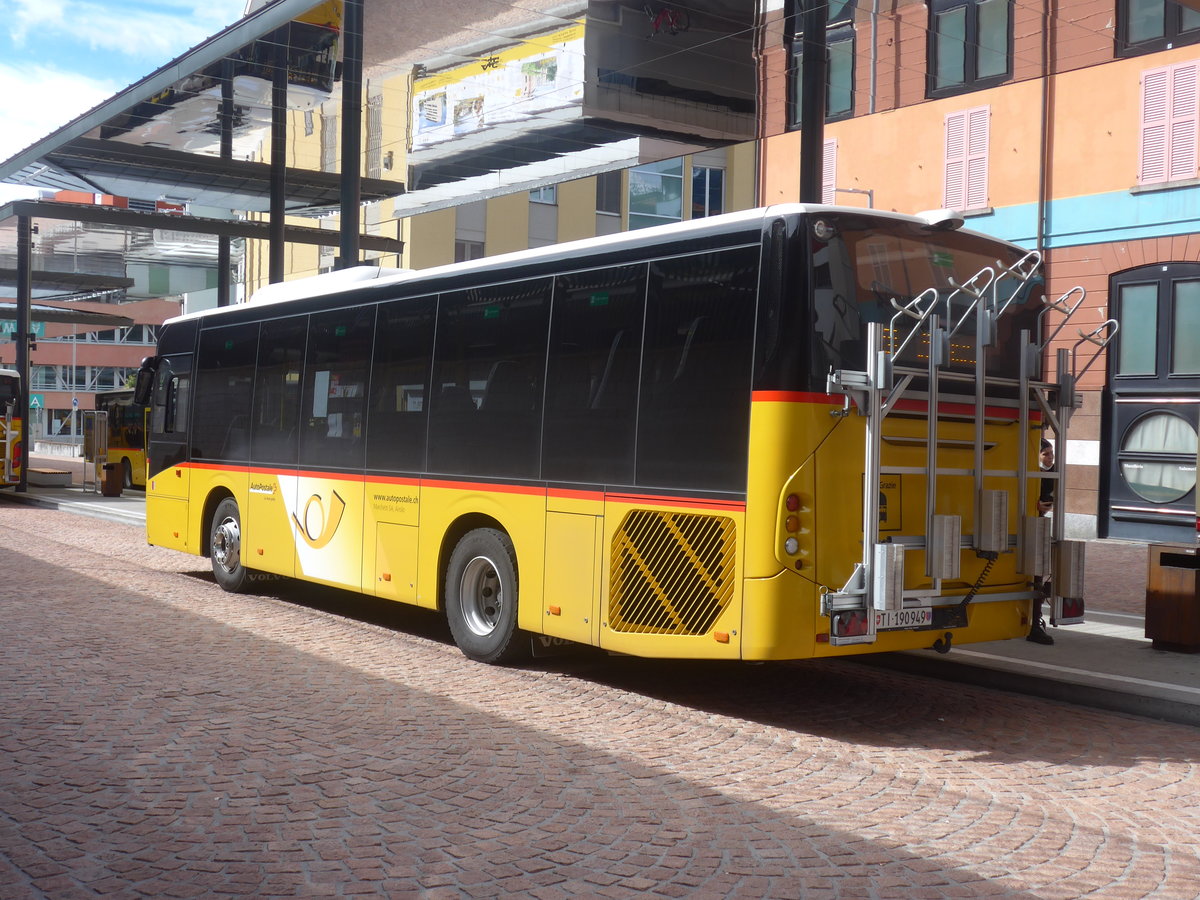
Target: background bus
[
  {"x": 707, "y": 440},
  {"x": 126, "y": 424},
  {"x": 10, "y": 427}
]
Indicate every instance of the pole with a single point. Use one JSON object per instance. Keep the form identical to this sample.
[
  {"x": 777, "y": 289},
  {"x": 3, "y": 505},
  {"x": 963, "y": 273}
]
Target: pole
[
  {"x": 24, "y": 336},
  {"x": 226, "y": 117},
  {"x": 352, "y": 62},
  {"x": 275, "y": 266},
  {"x": 813, "y": 73}
]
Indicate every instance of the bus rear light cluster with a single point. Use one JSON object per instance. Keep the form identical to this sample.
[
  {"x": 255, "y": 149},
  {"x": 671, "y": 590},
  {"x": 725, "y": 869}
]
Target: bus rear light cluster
[
  {"x": 850, "y": 623},
  {"x": 1072, "y": 608},
  {"x": 793, "y": 529}
]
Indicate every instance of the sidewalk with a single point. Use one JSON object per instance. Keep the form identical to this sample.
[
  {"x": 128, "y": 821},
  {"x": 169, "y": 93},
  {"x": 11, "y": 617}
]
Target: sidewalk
[
  {"x": 1106, "y": 662},
  {"x": 129, "y": 508}
]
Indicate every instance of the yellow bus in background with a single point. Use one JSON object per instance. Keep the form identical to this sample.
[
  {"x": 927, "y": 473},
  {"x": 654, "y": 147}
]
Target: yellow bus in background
[
  {"x": 10, "y": 427},
  {"x": 125, "y": 422},
  {"x": 726, "y": 439}
]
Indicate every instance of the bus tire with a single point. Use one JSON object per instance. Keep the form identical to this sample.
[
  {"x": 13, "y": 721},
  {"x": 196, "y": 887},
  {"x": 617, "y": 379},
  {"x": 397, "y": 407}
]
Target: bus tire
[
  {"x": 127, "y": 472},
  {"x": 225, "y": 547},
  {"x": 481, "y": 598}
]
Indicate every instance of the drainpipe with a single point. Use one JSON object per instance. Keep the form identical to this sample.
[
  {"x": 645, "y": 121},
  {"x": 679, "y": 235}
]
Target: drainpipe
[
  {"x": 874, "y": 52},
  {"x": 1044, "y": 138}
]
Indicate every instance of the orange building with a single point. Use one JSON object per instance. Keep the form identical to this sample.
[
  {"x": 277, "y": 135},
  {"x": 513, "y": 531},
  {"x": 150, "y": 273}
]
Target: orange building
[{"x": 1068, "y": 127}]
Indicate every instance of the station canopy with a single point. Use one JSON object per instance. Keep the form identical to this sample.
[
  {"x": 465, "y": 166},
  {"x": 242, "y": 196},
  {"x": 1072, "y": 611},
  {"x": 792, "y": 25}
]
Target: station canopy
[{"x": 463, "y": 100}]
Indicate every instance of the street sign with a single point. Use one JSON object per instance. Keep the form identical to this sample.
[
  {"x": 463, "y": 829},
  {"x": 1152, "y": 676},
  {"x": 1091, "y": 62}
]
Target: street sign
[
  {"x": 8, "y": 327},
  {"x": 37, "y": 401}
]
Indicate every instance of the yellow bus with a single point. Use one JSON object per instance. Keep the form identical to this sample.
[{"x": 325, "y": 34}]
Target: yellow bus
[
  {"x": 703, "y": 440},
  {"x": 126, "y": 425},
  {"x": 10, "y": 427}
]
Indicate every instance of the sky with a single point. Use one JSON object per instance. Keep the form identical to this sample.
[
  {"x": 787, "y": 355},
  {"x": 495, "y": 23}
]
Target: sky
[{"x": 59, "y": 58}]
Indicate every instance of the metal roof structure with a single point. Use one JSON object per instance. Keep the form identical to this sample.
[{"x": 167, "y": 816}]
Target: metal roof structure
[
  {"x": 59, "y": 315},
  {"x": 499, "y": 97}
]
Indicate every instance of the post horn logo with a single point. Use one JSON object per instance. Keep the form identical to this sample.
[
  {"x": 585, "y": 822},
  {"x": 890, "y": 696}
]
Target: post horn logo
[{"x": 317, "y": 528}]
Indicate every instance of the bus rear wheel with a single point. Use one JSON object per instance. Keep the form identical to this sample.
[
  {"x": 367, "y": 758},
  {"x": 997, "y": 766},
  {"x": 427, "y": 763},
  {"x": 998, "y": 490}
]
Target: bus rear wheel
[
  {"x": 127, "y": 471},
  {"x": 481, "y": 598},
  {"x": 225, "y": 547}
]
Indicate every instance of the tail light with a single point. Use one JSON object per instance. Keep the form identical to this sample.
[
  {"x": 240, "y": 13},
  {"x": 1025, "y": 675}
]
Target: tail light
[{"x": 850, "y": 623}]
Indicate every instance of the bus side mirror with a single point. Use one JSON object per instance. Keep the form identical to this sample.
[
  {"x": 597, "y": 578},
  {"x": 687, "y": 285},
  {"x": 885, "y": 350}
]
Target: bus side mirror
[{"x": 143, "y": 388}]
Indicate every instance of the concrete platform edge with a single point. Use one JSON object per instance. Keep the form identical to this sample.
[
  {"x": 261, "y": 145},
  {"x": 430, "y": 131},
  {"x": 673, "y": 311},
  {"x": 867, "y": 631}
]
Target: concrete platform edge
[{"x": 950, "y": 669}]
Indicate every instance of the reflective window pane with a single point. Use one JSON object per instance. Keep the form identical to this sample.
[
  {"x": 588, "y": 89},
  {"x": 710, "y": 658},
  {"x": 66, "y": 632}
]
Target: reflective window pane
[
  {"x": 656, "y": 193},
  {"x": 1188, "y": 18},
  {"x": 993, "y": 38},
  {"x": 1185, "y": 353},
  {"x": 951, "y": 37},
  {"x": 840, "y": 96},
  {"x": 1138, "y": 337},
  {"x": 1154, "y": 480},
  {"x": 1145, "y": 20}
]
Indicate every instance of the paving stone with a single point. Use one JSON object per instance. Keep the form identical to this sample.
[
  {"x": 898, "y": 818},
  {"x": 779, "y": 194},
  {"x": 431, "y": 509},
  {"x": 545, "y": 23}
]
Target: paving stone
[{"x": 164, "y": 739}]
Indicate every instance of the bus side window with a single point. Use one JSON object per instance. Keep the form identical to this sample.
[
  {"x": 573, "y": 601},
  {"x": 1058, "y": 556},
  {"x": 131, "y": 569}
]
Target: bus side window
[
  {"x": 335, "y": 387},
  {"x": 225, "y": 369},
  {"x": 172, "y": 395},
  {"x": 592, "y": 375},
  {"x": 177, "y": 404},
  {"x": 277, "y": 391},
  {"x": 696, "y": 372},
  {"x": 491, "y": 340},
  {"x": 399, "y": 408}
]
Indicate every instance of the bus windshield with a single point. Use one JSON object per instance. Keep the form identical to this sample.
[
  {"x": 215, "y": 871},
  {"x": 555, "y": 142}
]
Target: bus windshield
[
  {"x": 9, "y": 390},
  {"x": 873, "y": 267}
]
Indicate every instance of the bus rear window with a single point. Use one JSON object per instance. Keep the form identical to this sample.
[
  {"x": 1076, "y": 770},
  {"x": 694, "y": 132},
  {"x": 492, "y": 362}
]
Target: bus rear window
[{"x": 868, "y": 270}]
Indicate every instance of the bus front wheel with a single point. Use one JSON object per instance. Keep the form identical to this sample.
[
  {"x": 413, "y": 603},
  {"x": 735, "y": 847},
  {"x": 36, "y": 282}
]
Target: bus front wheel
[
  {"x": 481, "y": 597},
  {"x": 225, "y": 547}
]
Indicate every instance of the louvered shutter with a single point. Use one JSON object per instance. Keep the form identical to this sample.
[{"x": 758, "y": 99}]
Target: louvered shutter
[
  {"x": 966, "y": 181},
  {"x": 1152, "y": 166},
  {"x": 829, "y": 171},
  {"x": 977, "y": 158},
  {"x": 954, "y": 190},
  {"x": 1182, "y": 156}
]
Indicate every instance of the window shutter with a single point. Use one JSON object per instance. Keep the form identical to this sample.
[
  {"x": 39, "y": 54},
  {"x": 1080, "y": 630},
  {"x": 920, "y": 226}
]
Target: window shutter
[
  {"x": 977, "y": 158},
  {"x": 1182, "y": 158},
  {"x": 954, "y": 193},
  {"x": 966, "y": 181},
  {"x": 1152, "y": 166},
  {"x": 829, "y": 171}
]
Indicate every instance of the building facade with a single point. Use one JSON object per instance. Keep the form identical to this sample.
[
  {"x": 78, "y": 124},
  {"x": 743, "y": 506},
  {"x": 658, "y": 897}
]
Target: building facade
[{"x": 1068, "y": 126}]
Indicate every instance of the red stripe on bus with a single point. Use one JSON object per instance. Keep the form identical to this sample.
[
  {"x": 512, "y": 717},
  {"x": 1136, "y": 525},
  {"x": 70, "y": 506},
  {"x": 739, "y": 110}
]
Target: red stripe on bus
[
  {"x": 529, "y": 490},
  {"x": 566, "y": 494},
  {"x": 965, "y": 409},
  {"x": 838, "y": 400},
  {"x": 483, "y": 486},
  {"x": 729, "y": 505},
  {"x": 795, "y": 397}
]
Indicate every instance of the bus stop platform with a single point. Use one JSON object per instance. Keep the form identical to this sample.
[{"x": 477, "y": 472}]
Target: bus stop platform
[
  {"x": 1107, "y": 662},
  {"x": 129, "y": 508}
]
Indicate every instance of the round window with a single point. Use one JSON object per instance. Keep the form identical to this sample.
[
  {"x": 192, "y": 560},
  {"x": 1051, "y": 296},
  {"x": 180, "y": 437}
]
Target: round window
[{"x": 1159, "y": 481}]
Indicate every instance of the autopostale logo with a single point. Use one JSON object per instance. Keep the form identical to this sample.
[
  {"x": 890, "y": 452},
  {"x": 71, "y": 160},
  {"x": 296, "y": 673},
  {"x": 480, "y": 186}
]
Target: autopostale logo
[{"x": 318, "y": 524}]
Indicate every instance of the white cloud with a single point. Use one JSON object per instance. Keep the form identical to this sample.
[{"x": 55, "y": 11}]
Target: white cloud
[
  {"x": 157, "y": 32},
  {"x": 35, "y": 101}
]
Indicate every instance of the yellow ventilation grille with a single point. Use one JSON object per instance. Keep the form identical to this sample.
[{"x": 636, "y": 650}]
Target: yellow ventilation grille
[{"x": 672, "y": 573}]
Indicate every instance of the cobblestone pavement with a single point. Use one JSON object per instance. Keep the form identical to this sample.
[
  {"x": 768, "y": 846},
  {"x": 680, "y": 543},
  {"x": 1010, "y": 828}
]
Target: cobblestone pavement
[{"x": 163, "y": 739}]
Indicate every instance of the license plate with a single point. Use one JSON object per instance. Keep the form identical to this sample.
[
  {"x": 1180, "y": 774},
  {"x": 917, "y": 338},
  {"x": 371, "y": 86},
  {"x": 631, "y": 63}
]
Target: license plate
[{"x": 890, "y": 619}]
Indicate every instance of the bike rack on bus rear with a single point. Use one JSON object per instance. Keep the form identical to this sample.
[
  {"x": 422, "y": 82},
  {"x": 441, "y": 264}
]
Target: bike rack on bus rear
[{"x": 877, "y": 582}]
